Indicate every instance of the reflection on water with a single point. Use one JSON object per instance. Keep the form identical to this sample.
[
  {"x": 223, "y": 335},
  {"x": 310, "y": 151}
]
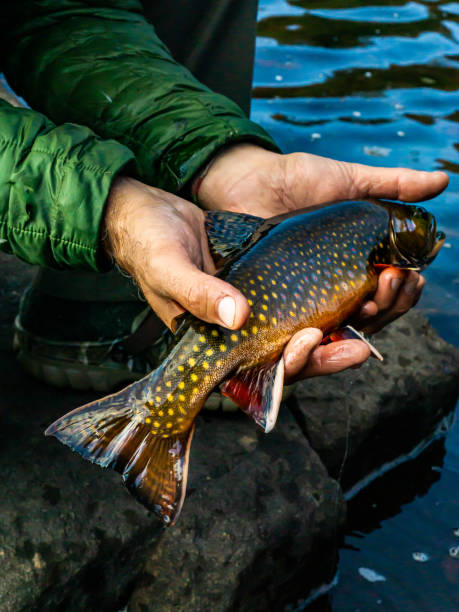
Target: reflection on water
[{"x": 379, "y": 85}]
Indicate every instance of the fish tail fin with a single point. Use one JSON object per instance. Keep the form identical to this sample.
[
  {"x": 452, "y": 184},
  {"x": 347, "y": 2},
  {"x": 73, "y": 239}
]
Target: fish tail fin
[{"x": 116, "y": 432}]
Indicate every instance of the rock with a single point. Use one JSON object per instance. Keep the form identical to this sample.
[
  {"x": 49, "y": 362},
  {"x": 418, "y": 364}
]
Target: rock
[
  {"x": 263, "y": 517},
  {"x": 359, "y": 420},
  {"x": 72, "y": 538},
  {"x": 261, "y": 506}
]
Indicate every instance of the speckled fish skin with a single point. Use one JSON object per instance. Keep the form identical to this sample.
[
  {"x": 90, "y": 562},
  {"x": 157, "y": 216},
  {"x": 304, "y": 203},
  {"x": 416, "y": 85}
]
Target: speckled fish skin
[{"x": 312, "y": 270}]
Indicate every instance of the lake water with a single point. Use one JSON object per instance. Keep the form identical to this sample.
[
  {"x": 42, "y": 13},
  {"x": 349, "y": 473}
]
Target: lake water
[{"x": 378, "y": 84}]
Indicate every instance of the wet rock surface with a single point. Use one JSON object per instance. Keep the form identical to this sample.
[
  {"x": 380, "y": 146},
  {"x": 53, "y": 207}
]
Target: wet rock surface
[{"x": 263, "y": 516}]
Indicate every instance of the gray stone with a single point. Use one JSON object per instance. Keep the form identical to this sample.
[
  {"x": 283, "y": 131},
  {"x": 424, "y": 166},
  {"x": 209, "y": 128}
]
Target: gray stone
[
  {"x": 359, "y": 420},
  {"x": 262, "y": 520},
  {"x": 72, "y": 538},
  {"x": 261, "y": 531}
]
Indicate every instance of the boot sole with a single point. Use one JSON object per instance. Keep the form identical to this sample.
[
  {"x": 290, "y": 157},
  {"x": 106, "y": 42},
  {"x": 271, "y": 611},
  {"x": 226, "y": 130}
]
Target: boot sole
[{"x": 71, "y": 374}]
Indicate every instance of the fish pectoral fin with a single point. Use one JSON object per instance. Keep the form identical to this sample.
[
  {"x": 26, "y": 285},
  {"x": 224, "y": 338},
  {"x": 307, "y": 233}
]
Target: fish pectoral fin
[
  {"x": 229, "y": 233},
  {"x": 113, "y": 432},
  {"x": 258, "y": 392},
  {"x": 349, "y": 333}
]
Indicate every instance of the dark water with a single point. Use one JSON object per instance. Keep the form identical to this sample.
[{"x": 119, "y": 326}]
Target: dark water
[{"x": 378, "y": 84}]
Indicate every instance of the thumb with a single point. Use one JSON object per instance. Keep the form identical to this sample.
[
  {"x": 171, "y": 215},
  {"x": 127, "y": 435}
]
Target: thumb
[
  {"x": 206, "y": 297},
  {"x": 298, "y": 350}
]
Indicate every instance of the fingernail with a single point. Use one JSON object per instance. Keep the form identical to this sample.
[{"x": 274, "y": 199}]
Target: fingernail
[
  {"x": 395, "y": 283},
  {"x": 227, "y": 311},
  {"x": 410, "y": 288}
]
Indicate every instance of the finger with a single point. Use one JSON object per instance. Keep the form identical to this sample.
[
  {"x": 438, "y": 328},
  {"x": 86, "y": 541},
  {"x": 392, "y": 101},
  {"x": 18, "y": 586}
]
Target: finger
[
  {"x": 389, "y": 283},
  {"x": 207, "y": 297},
  {"x": 369, "y": 309},
  {"x": 335, "y": 357},
  {"x": 298, "y": 349},
  {"x": 396, "y": 183},
  {"x": 408, "y": 296}
]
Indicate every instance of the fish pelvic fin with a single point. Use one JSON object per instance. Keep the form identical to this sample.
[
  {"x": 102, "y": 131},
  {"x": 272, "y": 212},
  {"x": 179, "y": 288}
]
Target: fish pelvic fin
[
  {"x": 258, "y": 392},
  {"x": 116, "y": 432}
]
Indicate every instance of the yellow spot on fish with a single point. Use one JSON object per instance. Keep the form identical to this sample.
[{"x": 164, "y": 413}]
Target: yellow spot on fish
[
  {"x": 181, "y": 385},
  {"x": 324, "y": 292},
  {"x": 274, "y": 294},
  {"x": 170, "y": 412},
  {"x": 274, "y": 320},
  {"x": 262, "y": 317},
  {"x": 303, "y": 309},
  {"x": 170, "y": 397},
  {"x": 195, "y": 390},
  {"x": 169, "y": 425},
  {"x": 264, "y": 307},
  {"x": 250, "y": 302},
  {"x": 195, "y": 348},
  {"x": 234, "y": 338},
  {"x": 158, "y": 389},
  {"x": 160, "y": 413},
  {"x": 209, "y": 352},
  {"x": 168, "y": 383},
  {"x": 294, "y": 304},
  {"x": 252, "y": 282},
  {"x": 223, "y": 348},
  {"x": 180, "y": 368},
  {"x": 254, "y": 329},
  {"x": 150, "y": 402},
  {"x": 253, "y": 292},
  {"x": 191, "y": 361},
  {"x": 218, "y": 363},
  {"x": 194, "y": 378},
  {"x": 181, "y": 397},
  {"x": 148, "y": 420},
  {"x": 265, "y": 297},
  {"x": 206, "y": 378},
  {"x": 202, "y": 339},
  {"x": 156, "y": 424},
  {"x": 284, "y": 285},
  {"x": 158, "y": 399},
  {"x": 214, "y": 333},
  {"x": 182, "y": 409},
  {"x": 244, "y": 333},
  {"x": 260, "y": 278},
  {"x": 205, "y": 365},
  {"x": 292, "y": 314},
  {"x": 273, "y": 282},
  {"x": 311, "y": 293},
  {"x": 336, "y": 287}
]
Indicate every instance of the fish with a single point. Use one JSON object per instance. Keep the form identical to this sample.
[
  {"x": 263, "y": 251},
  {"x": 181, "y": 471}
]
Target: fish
[{"x": 312, "y": 269}]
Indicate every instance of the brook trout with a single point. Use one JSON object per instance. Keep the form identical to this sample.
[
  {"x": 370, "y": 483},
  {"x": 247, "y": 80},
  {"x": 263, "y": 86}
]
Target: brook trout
[{"x": 311, "y": 270}]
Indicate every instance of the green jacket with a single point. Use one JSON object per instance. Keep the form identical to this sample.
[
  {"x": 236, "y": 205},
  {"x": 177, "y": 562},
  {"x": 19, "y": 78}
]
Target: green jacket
[{"x": 98, "y": 65}]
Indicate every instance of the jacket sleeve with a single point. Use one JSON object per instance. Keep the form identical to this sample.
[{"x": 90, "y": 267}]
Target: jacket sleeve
[
  {"x": 101, "y": 64},
  {"x": 54, "y": 181}
]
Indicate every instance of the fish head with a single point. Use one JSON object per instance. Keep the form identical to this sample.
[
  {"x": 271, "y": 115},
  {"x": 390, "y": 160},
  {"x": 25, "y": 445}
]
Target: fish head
[{"x": 413, "y": 241}]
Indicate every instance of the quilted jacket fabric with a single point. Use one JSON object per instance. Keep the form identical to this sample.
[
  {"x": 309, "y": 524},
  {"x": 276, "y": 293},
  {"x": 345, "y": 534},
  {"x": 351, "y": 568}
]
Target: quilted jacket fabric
[{"x": 112, "y": 99}]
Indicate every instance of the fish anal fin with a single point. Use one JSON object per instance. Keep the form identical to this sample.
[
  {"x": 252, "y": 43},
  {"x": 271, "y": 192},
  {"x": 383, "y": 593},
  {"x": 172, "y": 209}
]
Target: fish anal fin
[
  {"x": 350, "y": 333},
  {"x": 114, "y": 432},
  {"x": 258, "y": 392}
]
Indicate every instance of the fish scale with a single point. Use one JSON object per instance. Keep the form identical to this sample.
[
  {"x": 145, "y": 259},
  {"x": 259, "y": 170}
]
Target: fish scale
[{"x": 311, "y": 270}]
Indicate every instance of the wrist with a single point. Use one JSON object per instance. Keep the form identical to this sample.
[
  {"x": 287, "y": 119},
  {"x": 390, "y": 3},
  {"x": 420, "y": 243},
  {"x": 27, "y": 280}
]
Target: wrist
[{"x": 225, "y": 179}]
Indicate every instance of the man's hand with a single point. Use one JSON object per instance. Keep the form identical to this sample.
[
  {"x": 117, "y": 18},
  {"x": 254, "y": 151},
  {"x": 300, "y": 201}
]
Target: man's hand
[
  {"x": 248, "y": 179},
  {"x": 160, "y": 240}
]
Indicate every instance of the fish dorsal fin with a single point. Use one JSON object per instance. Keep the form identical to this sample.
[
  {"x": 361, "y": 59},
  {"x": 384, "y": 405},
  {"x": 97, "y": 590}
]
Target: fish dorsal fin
[
  {"x": 230, "y": 233},
  {"x": 258, "y": 392}
]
